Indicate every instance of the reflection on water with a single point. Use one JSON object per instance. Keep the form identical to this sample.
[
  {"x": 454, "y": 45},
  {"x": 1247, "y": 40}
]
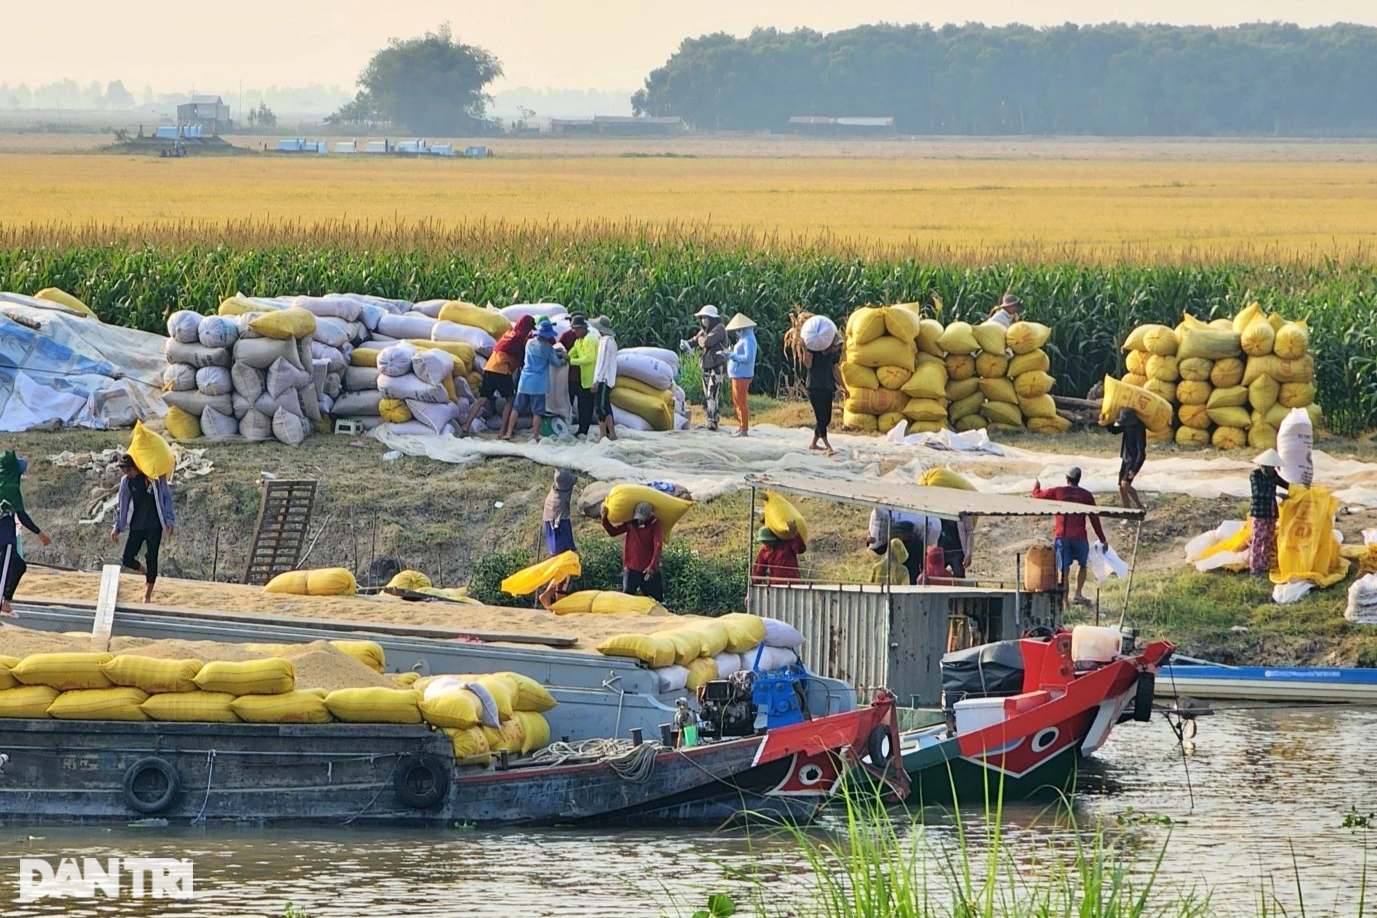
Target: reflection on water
[{"x": 1269, "y": 786}]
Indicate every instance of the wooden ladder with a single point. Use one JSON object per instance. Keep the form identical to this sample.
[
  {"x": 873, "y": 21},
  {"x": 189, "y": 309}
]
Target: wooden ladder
[{"x": 280, "y": 534}]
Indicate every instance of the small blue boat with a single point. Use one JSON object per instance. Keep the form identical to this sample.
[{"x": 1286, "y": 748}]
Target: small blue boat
[{"x": 1324, "y": 684}]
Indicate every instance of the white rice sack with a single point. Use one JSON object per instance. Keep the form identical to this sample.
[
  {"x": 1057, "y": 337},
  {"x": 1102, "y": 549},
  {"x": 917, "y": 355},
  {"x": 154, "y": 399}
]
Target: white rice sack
[
  {"x": 303, "y": 350},
  {"x": 782, "y": 634},
  {"x": 481, "y": 342},
  {"x": 331, "y": 306},
  {"x": 370, "y": 315},
  {"x": 818, "y": 333},
  {"x": 358, "y": 404},
  {"x": 672, "y": 678},
  {"x": 334, "y": 333},
  {"x": 395, "y": 360},
  {"x": 664, "y": 355},
  {"x": 727, "y": 663},
  {"x": 283, "y": 377},
  {"x": 409, "y": 325},
  {"x": 179, "y": 377},
  {"x": 629, "y": 421},
  {"x": 534, "y": 310},
  {"x": 360, "y": 379},
  {"x": 256, "y": 427},
  {"x": 436, "y": 417},
  {"x": 430, "y": 307},
  {"x": 195, "y": 355},
  {"x": 247, "y": 381},
  {"x": 260, "y": 353},
  {"x": 320, "y": 369},
  {"x": 680, "y": 398},
  {"x": 195, "y": 402},
  {"x": 242, "y": 406},
  {"x": 561, "y": 325},
  {"x": 414, "y": 429},
  {"x": 268, "y": 404},
  {"x": 774, "y": 658},
  {"x": 410, "y": 387},
  {"x": 245, "y": 323},
  {"x": 644, "y": 368},
  {"x": 334, "y": 357},
  {"x": 183, "y": 326},
  {"x": 370, "y": 423},
  {"x": 462, "y": 407},
  {"x": 214, "y": 381},
  {"x": 432, "y": 365},
  {"x": 326, "y": 405},
  {"x": 215, "y": 424},
  {"x": 334, "y": 385},
  {"x": 310, "y": 402},
  {"x": 291, "y": 429},
  {"x": 218, "y": 331},
  {"x": 387, "y": 305},
  {"x": 381, "y": 341},
  {"x": 462, "y": 389},
  {"x": 681, "y": 422}
]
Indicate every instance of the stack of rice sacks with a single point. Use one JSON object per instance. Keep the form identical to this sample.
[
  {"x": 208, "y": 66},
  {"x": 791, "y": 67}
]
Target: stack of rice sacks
[
  {"x": 417, "y": 394},
  {"x": 487, "y": 714},
  {"x": 879, "y": 363},
  {"x": 1279, "y": 372},
  {"x": 705, "y": 649},
  {"x": 646, "y": 396}
]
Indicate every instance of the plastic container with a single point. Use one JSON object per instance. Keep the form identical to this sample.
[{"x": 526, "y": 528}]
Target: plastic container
[
  {"x": 1091, "y": 644},
  {"x": 978, "y": 713},
  {"x": 1040, "y": 569}
]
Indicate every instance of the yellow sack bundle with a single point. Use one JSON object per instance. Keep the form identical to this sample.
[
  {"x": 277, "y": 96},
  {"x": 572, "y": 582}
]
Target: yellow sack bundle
[
  {"x": 874, "y": 401},
  {"x": 1164, "y": 368},
  {"x": 63, "y": 298},
  {"x": 1137, "y": 339},
  {"x": 622, "y": 500},
  {"x": 944, "y": 478},
  {"x": 490, "y": 320},
  {"x": 863, "y": 422},
  {"x": 652, "y": 650},
  {"x": 858, "y": 377},
  {"x": 1230, "y": 417},
  {"x": 929, "y": 337},
  {"x": 1190, "y": 323},
  {"x": 892, "y": 377},
  {"x": 1227, "y": 373},
  {"x": 901, "y": 323},
  {"x": 969, "y": 422},
  {"x": 957, "y": 389},
  {"x": 991, "y": 365},
  {"x": 457, "y": 709},
  {"x": 688, "y": 645},
  {"x": 700, "y": 671},
  {"x": 1263, "y": 393},
  {"x": 1292, "y": 341},
  {"x": 7, "y": 679},
  {"x": 1033, "y": 361},
  {"x": 470, "y": 745},
  {"x": 1033, "y": 384},
  {"x": 191, "y": 707},
  {"x": 462, "y": 353},
  {"x": 1257, "y": 340},
  {"x": 100, "y": 704},
  {"x": 1160, "y": 340},
  {"x": 369, "y": 653},
  {"x": 510, "y": 738},
  {"x": 152, "y": 675},
  {"x": 965, "y": 407},
  {"x": 1306, "y": 547},
  {"x": 779, "y": 513},
  {"x": 408, "y": 580},
  {"x": 958, "y": 338},
  {"x": 503, "y": 690},
  {"x": 1296, "y": 394},
  {"x": 924, "y": 410},
  {"x": 960, "y": 366},
  {"x": 1160, "y": 389},
  {"x": 1026, "y": 337},
  {"x": 1246, "y": 316},
  {"x": 1232, "y": 397},
  {"x": 1193, "y": 393},
  {"x": 27, "y": 701},
  {"x": 326, "y": 581},
  {"x": 1152, "y": 410},
  {"x": 365, "y": 357},
  {"x": 1057, "y": 424},
  {"x": 1040, "y": 406},
  {"x": 375, "y": 705},
  {"x": 535, "y": 730},
  {"x": 713, "y": 635},
  {"x": 1133, "y": 379},
  {"x": 394, "y": 410},
  {"x": 305, "y": 707},
  {"x": 63, "y": 671},
  {"x": 999, "y": 390},
  {"x": 888, "y": 421},
  {"x": 1002, "y": 413},
  {"x": 530, "y": 694},
  {"x": 271, "y": 676},
  {"x": 744, "y": 631},
  {"x": 239, "y": 305},
  {"x": 1208, "y": 343},
  {"x": 150, "y": 453},
  {"x": 1229, "y": 438},
  {"x": 882, "y": 352},
  {"x": 603, "y": 602},
  {"x": 1262, "y": 436},
  {"x": 865, "y": 325},
  {"x": 1135, "y": 362},
  {"x": 406, "y": 679},
  {"x": 1301, "y": 369},
  {"x": 657, "y": 410},
  {"x": 181, "y": 425},
  {"x": 292, "y": 322},
  {"x": 553, "y": 569},
  {"x": 1195, "y": 369},
  {"x": 929, "y": 380},
  {"x": 990, "y": 337},
  {"x": 1190, "y": 436}
]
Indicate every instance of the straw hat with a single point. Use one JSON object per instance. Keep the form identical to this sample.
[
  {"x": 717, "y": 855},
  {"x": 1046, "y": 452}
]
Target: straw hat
[
  {"x": 707, "y": 312},
  {"x": 1011, "y": 302},
  {"x": 1269, "y": 459},
  {"x": 602, "y": 325},
  {"x": 739, "y": 322}
]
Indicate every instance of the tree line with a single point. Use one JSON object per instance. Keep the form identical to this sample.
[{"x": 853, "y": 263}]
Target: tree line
[{"x": 1115, "y": 79}]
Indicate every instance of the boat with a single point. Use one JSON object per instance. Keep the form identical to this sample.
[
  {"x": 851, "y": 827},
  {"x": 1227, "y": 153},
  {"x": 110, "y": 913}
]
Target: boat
[
  {"x": 1189, "y": 677},
  {"x": 1039, "y": 714},
  {"x": 100, "y": 772}
]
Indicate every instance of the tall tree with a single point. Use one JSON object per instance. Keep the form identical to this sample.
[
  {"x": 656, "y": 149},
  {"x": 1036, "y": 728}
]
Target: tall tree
[
  {"x": 431, "y": 85},
  {"x": 117, "y": 97}
]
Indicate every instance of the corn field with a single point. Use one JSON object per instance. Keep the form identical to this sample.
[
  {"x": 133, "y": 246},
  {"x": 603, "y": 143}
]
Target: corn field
[{"x": 650, "y": 279}]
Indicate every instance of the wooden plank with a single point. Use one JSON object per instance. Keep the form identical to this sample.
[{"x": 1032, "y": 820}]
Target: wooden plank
[{"x": 105, "y": 607}]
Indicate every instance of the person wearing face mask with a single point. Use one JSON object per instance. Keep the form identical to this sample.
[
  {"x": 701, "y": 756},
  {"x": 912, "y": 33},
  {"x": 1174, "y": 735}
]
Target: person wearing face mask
[
  {"x": 711, "y": 343},
  {"x": 741, "y": 369}
]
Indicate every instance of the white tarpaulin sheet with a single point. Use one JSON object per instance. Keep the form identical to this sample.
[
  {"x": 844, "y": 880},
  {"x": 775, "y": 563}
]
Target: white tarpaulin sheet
[{"x": 58, "y": 369}]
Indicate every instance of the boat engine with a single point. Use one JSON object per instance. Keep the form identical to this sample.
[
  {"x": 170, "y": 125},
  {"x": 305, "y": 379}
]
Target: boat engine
[{"x": 727, "y": 706}]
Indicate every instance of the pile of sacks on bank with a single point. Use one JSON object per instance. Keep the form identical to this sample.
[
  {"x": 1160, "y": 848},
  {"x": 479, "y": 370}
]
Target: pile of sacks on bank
[
  {"x": 900, "y": 366},
  {"x": 282, "y": 367}
]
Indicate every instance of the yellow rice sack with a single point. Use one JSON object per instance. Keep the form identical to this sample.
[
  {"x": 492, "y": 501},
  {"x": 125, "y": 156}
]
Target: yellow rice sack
[
  {"x": 1193, "y": 393},
  {"x": 1258, "y": 339},
  {"x": 1230, "y": 417},
  {"x": 191, "y": 707},
  {"x": 1026, "y": 337},
  {"x": 713, "y": 634},
  {"x": 1263, "y": 393},
  {"x": 1300, "y": 369},
  {"x": 458, "y": 709},
  {"x": 990, "y": 336},
  {"x": 926, "y": 426},
  {"x": 272, "y": 676},
  {"x": 284, "y": 708},
  {"x": 394, "y": 410},
  {"x": 892, "y": 377},
  {"x": 863, "y": 422},
  {"x": 7, "y": 680},
  {"x": 928, "y": 381},
  {"x": 1055, "y": 425},
  {"x": 503, "y": 689},
  {"x": 603, "y": 602},
  {"x": 964, "y": 407},
  {"x": 406, "y": 679},
  {"x": 1164, "y": 368},
  {"x": 652, "y": 650},
  {"x": 1002, "y": 413},
  {"x": 63, "y": 671},
  {"x": 958, "y": 338},
  {"x": 1296, "y": 394},
  {"x": 882, "y": 352},
  {"x": 181, "y": 425},
  {"x": 531, "y": 695},
  {"x": 1262, "y": 436},
  {"x": 535, "y": 730},
  {"x": 1195, "y": 416},
  {"x": 701, "y": 670},
  {"x": 1040, "y": 406},
  {"x": 622, "y": 500},
  {"x": 858, "y": 377},
  {"x": 1152, "y": 410},
  {"x": 922, "y": 410},
  {"x": 63, "y": 298},
  {"x": 1195, "y": 369},
  {"x": 330, "y": 581},
  {"x": 369, "y": 653},
  {"x": 688, "y": 646},
  {"x": 956, "y": 388},
  {"x": 1160, "y": 340},
  {"x": 1232, "y": 397},
  {"x": 1209, "y": 343},
  {"x": 779, "y": 513},
  {"x": 1246, "y": 316},
  {"x": 865, "y": 325},
  {"x": 970, "y": 422},
  {"x": 409, "y": 580},
  {"x": 960, "y": 366},
  {"x": 1028, "y": 363},
  {"x": 1292, "y": 341},
  {"x": 150, "y": 453},
  {"x": 874, "y": 401},
  {"x": 1191, "y": 323},
  {"x": 470, "y": 745},
  {"x": 929, "y": 335},
  {"x": 901, "y": 323},
  {"x": 1190, "y": 436},
  {"x": 744, "y": 631},
  {"x": 510, "y": 738},
  {"x": 1133, "y": 379},
  {"x": 365, "y": 357},
  {"x": 657, "y": 410},
  {"x": 1160, "y": 389},
  {"x": 999, "y": 390},
  {"x": 1137, "y": 339},
  {"x": 462, "y": 352},
  {"x": 27, "y": 701},
  {"x": 1227, "y": 373},
  {"x": 944, "y": 478},
  {"x": 1276, "y": 414},
  {"x": 490, "y": 320},
  {"x": 375, "y": 705},
  {"x": 152, "y": 675},
  {"x": 1229, "y": 438},
  {"x": 100, "y": 704},
  {"x": 991, "y": 365},
  {"x": 1033, "y": 384},
  {"x": 888, "y": 421},
  {"x": 925, "y": 359},
  {"x": 1136, "y": 362},
  {"x": 292, "y": 322}
]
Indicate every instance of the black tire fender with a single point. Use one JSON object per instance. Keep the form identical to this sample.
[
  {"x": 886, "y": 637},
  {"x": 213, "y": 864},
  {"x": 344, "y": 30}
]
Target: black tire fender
[
  {"x": 421, "y": 781},
  {"x": 1142, "y": 701},
  {"x": 143, "y": 767},
  {"x": 880, "y": 747}
]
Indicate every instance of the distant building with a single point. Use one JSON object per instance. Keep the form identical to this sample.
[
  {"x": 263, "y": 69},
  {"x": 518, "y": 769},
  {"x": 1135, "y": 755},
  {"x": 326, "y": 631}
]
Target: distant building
[
  {"x": 827, "y": 125},
  {"x": 210, "y": 113},
  {"x": 618, "y": 126}
]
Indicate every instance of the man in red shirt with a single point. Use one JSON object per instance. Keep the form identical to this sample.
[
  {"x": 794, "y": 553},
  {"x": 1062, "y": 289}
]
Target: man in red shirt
[
  {"x": 777, "y": 560},
  {"x": 641, "y": 553},
  {"x": 1072, "y": 543}
]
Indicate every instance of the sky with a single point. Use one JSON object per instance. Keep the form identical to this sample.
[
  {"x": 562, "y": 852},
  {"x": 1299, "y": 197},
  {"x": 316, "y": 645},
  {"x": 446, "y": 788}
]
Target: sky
[{"x": 173, "y": 45}]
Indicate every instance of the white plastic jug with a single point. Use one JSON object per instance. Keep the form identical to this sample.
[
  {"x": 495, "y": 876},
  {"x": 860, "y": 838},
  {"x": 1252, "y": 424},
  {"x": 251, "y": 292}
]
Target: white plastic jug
[{"x": 1091, "y": 644}]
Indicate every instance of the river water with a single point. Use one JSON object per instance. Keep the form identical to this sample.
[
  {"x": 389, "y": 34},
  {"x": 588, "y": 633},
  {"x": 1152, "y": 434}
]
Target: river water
[{"x": 1270, "y": 786}]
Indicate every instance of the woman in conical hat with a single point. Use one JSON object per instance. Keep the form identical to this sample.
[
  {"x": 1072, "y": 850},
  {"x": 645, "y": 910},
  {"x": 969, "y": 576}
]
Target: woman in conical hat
[{"x": 741, "y": 369}]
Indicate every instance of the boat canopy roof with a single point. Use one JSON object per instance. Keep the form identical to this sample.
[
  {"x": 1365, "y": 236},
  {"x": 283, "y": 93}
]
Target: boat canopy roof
[{"x": 942, "y": 503}]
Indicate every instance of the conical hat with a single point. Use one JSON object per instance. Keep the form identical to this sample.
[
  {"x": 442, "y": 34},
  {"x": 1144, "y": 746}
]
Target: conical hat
[{"x": 739, "y": 322}]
